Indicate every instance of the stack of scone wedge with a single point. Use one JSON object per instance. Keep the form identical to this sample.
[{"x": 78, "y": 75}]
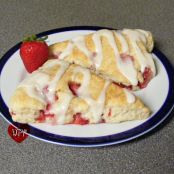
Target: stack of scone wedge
[{"x": 88, "y": 80}]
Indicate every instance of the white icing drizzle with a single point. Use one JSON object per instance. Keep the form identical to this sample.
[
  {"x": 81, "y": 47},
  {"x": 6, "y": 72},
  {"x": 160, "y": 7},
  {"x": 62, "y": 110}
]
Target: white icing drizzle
[
  {"x": 34, "y": 83},
  {"x": 67, "y": 51},
  {"x": 144, "y": 59},
  {"x": 96, "y": 107},
  {"x": 98, "y": 48},
  {"x": 53, "y": 83},
  {"x": 130, "y": 97},
  {"x": 59, "y": 109},
  {"x": 79, "y": 42},
  {"x": 126, "y": 67},
  {"x": 122, "y": 40},
  {"x": 83, "y": 89}
]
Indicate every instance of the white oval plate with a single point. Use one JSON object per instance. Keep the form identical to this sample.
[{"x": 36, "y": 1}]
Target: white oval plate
[{"x": 158, "y": 96}]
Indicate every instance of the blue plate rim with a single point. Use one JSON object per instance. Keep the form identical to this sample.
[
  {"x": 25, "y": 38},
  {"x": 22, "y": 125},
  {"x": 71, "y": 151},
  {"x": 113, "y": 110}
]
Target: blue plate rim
[{"x": 125, "y": 136}]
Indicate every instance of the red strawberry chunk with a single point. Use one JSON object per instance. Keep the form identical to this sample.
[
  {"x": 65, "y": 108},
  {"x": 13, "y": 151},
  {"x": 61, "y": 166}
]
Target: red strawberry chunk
[
  {"x": 79, "y": 120},
  {"x": 55, "y": 55},
  {"x": 124, "y": 86},
  {"x": 73, "y": 86},
  {"x": 102, "y": 121},
  {"x": 43, "y": 116},
  {"x": 110, "y": 112},
  {"x": 147, "y": 75},
  {"x": 12, "y": 113},
  {"x": 45, "y": 89},
  {"x": 126, "y": 57},
  {"x": 94, "y": 54},
  {"x": 56, "y": 97},
  {"x": 48, "y": 107}
]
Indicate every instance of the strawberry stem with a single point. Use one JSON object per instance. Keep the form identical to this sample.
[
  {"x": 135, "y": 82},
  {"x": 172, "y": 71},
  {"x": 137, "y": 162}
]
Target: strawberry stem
[{"x": 34, "y": 38}]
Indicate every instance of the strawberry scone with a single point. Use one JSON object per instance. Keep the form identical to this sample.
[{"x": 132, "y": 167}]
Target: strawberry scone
[
  {"x": 123, "y": 56},
  {"x": 60, "y": 93}
]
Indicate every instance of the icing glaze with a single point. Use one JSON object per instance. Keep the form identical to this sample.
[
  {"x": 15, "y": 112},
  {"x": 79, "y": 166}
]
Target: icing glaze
[
  {"x": 38, "y": 80},
  {"x": 53, "y": 83},
  {"x": 96, "y": 107},
  {"x": 125, "y": 67},
  {"x": 34, "y": 84},
  {"x": 130, "y": 97},
  {"x": 67, "y": 51},
  {"x": 98, "y": 49},
  {"x": 144, "y": 58},
  {"x": 122, "y": 40},
  {"x": 59, "y": 108}
]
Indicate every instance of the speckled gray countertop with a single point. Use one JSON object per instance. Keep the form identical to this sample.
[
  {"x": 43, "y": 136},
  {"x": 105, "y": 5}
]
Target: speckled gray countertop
[{"x": 151, "y": 154}]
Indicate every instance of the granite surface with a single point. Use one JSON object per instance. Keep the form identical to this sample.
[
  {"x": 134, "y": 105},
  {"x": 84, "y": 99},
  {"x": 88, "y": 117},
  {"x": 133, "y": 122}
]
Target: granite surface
[{"x": 150, "y": 154}]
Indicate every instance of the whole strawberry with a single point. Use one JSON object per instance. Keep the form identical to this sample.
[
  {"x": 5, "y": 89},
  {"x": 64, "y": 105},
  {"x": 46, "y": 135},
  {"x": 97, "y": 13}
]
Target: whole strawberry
[{"x": 34, "y": 52}]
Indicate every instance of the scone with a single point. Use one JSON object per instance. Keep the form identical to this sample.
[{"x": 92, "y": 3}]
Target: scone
[
  {"x": 63, "y": 93},
  {"x": 123, "y": 56}
]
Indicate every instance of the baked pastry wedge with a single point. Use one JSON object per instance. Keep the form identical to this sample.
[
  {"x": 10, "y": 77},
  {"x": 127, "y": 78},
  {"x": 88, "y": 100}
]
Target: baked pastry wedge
[
  {"x": 63, "y": 93},
  {"x": 123, "y": 56}
]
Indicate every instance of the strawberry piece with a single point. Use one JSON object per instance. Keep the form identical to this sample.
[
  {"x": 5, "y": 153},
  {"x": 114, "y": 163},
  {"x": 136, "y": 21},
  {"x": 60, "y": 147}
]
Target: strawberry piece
[
  {"x": 34, "y": 53},
  {"x": 56, "y": 97},
  {"x": 73, "y": 86},
  {"x": 94, "y": 54},
  {"x": 79, "y": 120},
  {"x": 42, "y": 117},
  {"x": 12, "y": 113},
  {"x": 147, "y": 75},
  {"x": 18, "y": 135},
  {"x": 102, "y": 121},
  {"x": 48, "y": 107},
  {"x": 126, "y": 57},
  {"x": 124, "y": 86},
  {"x": 110, "y": 112},
  {"x": 45, "y": 89}
]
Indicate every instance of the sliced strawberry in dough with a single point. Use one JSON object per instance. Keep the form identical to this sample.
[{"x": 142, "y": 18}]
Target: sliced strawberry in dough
[
  {"x": 12, "y": 113},
  {"x": 45, "y": 89},
  {"x": 48, "y": 107},
  {"x": 79, "y": 120},
  {"x": 110, "y": 113},
  {"x": 124, "y": 86},
  {"x": 147, "y": 75},
  {"x": 73, "y": 86},
  {"x": 43, "y": 117},
  {"x": 126, "y": 57},
  {"x": 56, "y": 97},
  {"x": 102, "y": 121}
]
